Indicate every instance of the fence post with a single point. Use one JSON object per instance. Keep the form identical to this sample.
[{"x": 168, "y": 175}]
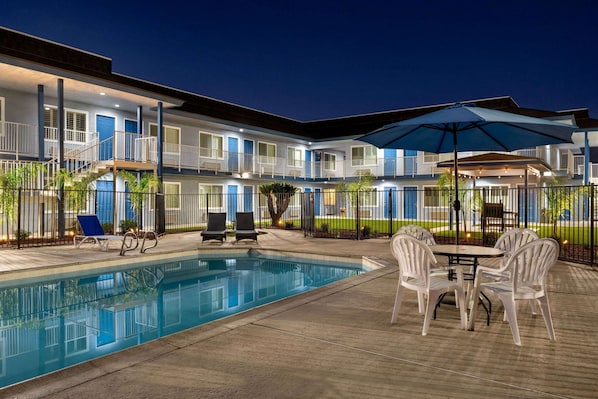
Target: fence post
[
  {"x": 19, "y": 218},
  {"x": 357, "y": 214},
  {"x": 390, "y": 212},
  {"x": 592, "y": 219}
]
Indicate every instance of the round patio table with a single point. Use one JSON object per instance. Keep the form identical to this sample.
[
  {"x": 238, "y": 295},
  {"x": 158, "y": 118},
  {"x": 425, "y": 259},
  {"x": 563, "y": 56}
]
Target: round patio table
[{"x": 471, "y": 253}]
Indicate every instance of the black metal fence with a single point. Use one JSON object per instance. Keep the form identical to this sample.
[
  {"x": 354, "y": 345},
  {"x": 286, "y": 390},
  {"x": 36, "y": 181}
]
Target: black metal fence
[{"x": 568, "y": 213}]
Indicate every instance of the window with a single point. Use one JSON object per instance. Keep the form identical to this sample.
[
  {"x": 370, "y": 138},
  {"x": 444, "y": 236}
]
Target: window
[
  {"x": 329, "y": 196},
  {"x": 494, "y": 193},
  {"x": 364, "y": 155},
  {"x": 210, "y": 145},
  {"x": 329, "y": 161},
  {"x": 431, "y": 196},
  {"x": 172, "y": 307},
  {"x": 267, "y": 153},
  {"x": 212, "y": 194},
  {"x": 430, "y": 157},
  {"x": 75, "y": 124},
  {"x": 172, "y": 196},
  {"x": 368, "y": 198},
  {"x": 266, "y": 285},
  {"x": 76, "y": 337},
  {"x": 294, "y": 158},
  {"x": 172, "y": 137},
  {"x": 211, "y": 300}
]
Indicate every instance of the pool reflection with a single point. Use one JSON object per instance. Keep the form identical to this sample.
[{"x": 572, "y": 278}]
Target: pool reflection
[{"x": 49, "y": 325}]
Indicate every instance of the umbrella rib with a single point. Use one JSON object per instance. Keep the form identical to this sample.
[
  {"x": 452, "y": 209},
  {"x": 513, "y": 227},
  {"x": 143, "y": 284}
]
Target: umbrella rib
[
  {"x": 523, "y": 127},
  {"x": 382, "y": 145}
]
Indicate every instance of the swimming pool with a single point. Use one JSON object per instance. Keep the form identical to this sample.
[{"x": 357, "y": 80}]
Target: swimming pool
[{"x": 51, "y": 322}]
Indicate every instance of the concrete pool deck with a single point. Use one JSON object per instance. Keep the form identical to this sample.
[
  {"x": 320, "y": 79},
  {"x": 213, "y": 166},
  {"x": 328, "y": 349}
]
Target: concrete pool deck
[{"x": 336, "y": 341}]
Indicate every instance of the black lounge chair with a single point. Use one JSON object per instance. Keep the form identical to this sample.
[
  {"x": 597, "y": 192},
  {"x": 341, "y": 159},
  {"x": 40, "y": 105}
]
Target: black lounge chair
[
  {"x": 216, "y": 229},
  {"x": 245, "y": 227}
]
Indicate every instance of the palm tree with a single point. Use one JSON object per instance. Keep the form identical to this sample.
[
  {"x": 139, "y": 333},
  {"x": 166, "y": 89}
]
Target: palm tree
[
  {"x": 446, "y": 184},
  {"x": 559, "y": 199},
  {"x": 11, "y": 181},
  {"x": 138, "y": 190},
  {"x": 278, "y": 196},
  {"x": 77, "y": 185}
]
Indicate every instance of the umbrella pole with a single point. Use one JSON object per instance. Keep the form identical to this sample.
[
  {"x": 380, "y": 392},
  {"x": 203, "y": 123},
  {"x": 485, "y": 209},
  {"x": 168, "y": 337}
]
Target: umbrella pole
[{"x": 457, "y": 204}]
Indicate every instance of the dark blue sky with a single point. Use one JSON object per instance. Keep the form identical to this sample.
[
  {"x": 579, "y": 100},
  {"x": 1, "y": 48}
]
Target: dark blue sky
[{"x": 319, "y": 59}]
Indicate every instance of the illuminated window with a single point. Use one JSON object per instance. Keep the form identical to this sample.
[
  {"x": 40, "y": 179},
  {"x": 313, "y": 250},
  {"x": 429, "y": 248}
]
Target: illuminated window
[
  {"x": 364, "y": 155},
  {"x": 172, "y": 196},
  {"x": 212, "y": 194},
  {"x": 210, "y": 145},
  {"x": 75, "y": 126},
  {"x": 329, "y": 196},
  {"x": 266, "y": 153},
  {"x": 329, "y": 161},
  {"x": 431, "y": 196},
  {"x": 172, "y": 137},
  {"x": 294, "y": 157}
]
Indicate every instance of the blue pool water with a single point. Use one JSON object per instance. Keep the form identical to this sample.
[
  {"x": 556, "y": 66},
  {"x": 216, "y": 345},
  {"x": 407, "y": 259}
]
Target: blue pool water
[{"x": 50, "y": 323}]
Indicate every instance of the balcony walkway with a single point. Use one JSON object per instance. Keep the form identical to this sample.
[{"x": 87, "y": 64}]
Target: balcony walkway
[{"x": 337, "y": 342}]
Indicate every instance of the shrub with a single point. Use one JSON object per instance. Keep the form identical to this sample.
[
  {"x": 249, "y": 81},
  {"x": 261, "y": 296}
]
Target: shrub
[{"x": 127, "y": 224}]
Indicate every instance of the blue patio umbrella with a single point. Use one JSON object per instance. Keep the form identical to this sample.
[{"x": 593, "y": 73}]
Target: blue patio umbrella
[{"x": 469, "y": 128}]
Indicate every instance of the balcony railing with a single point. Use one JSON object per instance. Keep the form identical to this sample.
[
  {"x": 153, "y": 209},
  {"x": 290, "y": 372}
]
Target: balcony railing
[
  {"x": 19, "y": 139},
  {"x": 83, "y": 149},
  {"x": 38, "y": 180}
]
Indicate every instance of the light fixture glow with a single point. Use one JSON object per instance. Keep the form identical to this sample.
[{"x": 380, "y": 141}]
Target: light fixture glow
[
  {"x": 102, "y": 93},
  {"x": 117, "y": 105}
]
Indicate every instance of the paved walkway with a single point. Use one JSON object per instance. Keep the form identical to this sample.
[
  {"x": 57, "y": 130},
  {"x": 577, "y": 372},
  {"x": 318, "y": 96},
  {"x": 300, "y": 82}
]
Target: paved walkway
[{"x": 335, "y": 342}]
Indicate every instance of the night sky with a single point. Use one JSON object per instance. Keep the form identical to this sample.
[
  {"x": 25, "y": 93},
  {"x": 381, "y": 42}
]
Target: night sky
[{"x": 311, "y": 60}]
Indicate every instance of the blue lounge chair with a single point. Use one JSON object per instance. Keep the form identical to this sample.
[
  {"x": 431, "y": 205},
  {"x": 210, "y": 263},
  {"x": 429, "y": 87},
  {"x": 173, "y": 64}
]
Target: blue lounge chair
[
  {"x": 245, "y": 227},
  {"x": 216, "y": 229},
  {"x": 93, "y": 232}
]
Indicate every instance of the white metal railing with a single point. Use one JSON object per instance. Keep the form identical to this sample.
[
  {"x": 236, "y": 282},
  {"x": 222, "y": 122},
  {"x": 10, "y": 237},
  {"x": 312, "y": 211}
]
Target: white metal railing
[
  {"x": 38, "y": 180},
  {"x": 527, "y": 152},
  {"x": 19, "y": 139},
  {"x": 70, "y": 135},
  {"x": 578, "y": 163},
  {"x": 83, "y": 150}
]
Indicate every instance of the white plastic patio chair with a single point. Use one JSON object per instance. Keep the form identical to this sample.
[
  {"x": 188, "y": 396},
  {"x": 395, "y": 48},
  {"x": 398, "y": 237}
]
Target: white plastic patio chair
[
  {"x": 523, "y": 277},
  {"x": 415, "y": 261},
  {"x": 425, "y": 236},
  {"x": 417, "y": 232},
  {"x": 510, "y": 242},
  {"x": 513, "y": 239}
]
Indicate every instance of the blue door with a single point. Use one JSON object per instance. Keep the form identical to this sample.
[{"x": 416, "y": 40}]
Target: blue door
[
  {"x": 392, "y": 206},
  {"x": 105, "y": 127},
  {"x": 390, "y": 161},
  {"x": 104, "y": 201},
  {"x": 106, "y": 332},
  {"x": 248, "y": 156},
  {"x": 248, "y": 199},
  {"x": 232, "y": 202},
  {"x": 409, "y": 162},
  {"x": 307, "y": 163},
  {"x": 130, "y": 127},
  {"x": 233, "y": 154},
  {"x": 532, "y": 209},
  {"x": 410, "y": 204}
]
